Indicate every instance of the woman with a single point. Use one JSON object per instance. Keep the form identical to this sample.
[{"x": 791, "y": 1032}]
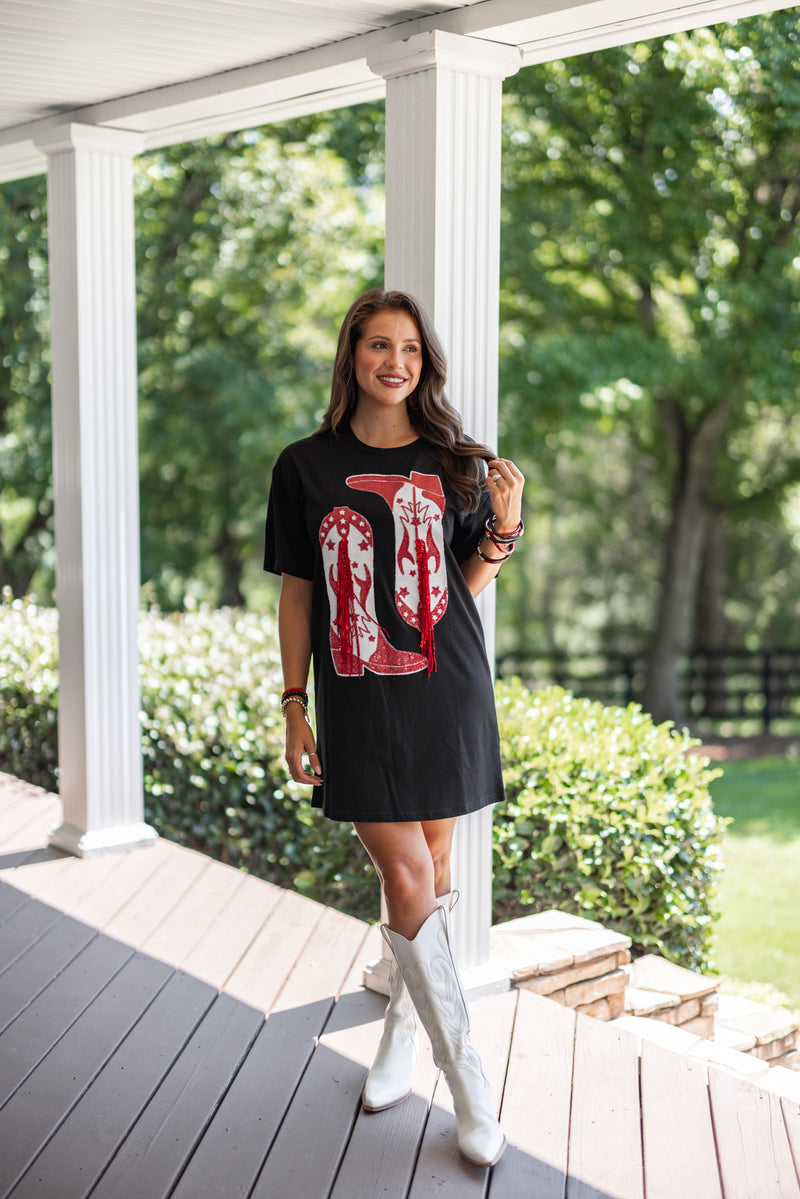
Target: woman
[{"x": 384, "y": 526}]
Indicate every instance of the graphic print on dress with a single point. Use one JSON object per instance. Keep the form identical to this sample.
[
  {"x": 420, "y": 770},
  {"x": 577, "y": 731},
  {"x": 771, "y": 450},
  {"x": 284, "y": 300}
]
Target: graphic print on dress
[
  {"x": 357, "y": 641},
  {"x": 420, "y": 590}
]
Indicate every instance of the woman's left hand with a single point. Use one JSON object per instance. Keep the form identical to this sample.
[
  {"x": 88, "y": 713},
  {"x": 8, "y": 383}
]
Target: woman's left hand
[{"x": 505, "y": 482}]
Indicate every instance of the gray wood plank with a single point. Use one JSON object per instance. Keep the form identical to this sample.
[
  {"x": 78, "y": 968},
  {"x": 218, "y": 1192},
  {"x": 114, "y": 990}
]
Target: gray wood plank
[
  {"x": 37, "y": 1108},
  {"x": 132, "y": 873},
  {"x": 755, "y": 1157},
  {"x": 676, "y": 1111},
  {"x": 83, "y": 889},
  {"x": 229, "y": 935},
  {"x": 23, "y": 815},
  {"x": 230, "y": 1155},
  {"x": 80, "y": 1149},
  {"x": 536, "y": 1102},
  {"x": 47, "y": 957},
  {"x": 381, "y": 1153},
  {"x": 322, "y": 1113},
  {"x": 791, "y": 1116},
  {"x": 34, "y": 1032},
  {"x": 155, "y": 1152},
  {"x": 11, "y": 859},
  {"x": 605, "y": 1152},
  {"x": 23, "y": 928},
  {"x": 28, "y": 831},
  {"x": 329, "y": 1092},
  {"x": 295, "y": 965},
  {"x": 440, "y": 1168},
  {"x": 325, "y": 961},
  {"x": 185, "y": 923},
  {"x": 148, "y": 906},
  {"x": 16, "y": 790},
  {"x": 10, "y": 899},
  {"x": 265, "y": 967}
]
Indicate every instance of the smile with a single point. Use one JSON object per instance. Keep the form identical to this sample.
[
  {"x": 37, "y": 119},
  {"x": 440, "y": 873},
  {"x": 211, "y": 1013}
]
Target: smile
[{"x": 392, "y": 380}]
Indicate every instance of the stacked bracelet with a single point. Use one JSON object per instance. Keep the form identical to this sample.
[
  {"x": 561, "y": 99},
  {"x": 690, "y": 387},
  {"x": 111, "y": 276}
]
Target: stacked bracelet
[
  {"x": 505, "y": 543},
  {"x": 294, "y": 695},
  {"x": 507, "y": 538},
  {"x": 496, "y": 561}
]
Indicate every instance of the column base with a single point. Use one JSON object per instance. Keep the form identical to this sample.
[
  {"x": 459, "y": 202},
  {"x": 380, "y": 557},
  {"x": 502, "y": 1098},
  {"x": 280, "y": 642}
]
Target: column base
[
  {"x": 84, "y": 844},
  {"x": 489, "y": 978}
]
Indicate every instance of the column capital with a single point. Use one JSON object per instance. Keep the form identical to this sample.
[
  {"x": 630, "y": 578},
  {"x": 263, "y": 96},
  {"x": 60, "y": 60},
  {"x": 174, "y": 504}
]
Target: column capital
[
  {"x": 70, "y": 136},
  {"x": 448, "y": 51}
]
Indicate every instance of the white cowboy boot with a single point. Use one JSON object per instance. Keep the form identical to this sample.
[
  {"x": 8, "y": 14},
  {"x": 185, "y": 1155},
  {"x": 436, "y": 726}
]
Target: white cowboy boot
[
  {"x": 430, "y": 973},
  {"x": 389, "y": 1080}
]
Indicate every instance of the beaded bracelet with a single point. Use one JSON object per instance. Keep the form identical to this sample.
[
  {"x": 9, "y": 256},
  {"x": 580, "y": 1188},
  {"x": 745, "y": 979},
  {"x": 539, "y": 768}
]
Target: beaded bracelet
[
  {"x": 294, "y": 695},
  {"x": 506, "y": 538},
  {"x": 297, "y": 699}
]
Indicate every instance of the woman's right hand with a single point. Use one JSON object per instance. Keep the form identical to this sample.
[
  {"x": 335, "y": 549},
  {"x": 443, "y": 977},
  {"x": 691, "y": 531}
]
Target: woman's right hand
[{"x": 300, "y": 743}]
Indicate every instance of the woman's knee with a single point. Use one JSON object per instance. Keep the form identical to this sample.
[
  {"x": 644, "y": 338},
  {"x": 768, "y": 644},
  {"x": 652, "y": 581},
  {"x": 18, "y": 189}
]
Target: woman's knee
[{"x": 405, "y": 879}]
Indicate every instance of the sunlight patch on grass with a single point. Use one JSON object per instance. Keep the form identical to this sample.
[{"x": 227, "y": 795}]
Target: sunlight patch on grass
[{"x": 758, "y": 935}]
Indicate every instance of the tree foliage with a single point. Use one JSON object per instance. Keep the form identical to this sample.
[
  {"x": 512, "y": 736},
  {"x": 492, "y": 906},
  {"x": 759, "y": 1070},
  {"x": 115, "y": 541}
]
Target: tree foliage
[
  {"x": 251, "y": 249},
  {"x": 26, "y": 494},
  {"x": 650, "y": 300},
  {"x": 650, "y": 287}
]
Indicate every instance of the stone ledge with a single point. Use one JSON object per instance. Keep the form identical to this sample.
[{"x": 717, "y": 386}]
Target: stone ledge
[
  {"x": 547, "y": 942},
  {"x": 730, "y": 1059},
  {"x": 675, "y": 984},
  {"x": 746, "y": 1016},
  {"x": 567, "y": 958}
]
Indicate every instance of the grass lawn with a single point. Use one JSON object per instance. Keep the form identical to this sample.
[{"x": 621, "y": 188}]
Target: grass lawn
[{"x": 758, "y": 935}]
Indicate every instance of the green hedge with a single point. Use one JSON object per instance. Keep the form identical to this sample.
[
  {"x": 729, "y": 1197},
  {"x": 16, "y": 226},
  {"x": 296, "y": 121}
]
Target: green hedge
[{"x": 606, "y": 814}]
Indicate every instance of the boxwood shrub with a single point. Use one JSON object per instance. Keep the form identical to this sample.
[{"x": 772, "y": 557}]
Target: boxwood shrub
[{"x": 606, "y": 814}]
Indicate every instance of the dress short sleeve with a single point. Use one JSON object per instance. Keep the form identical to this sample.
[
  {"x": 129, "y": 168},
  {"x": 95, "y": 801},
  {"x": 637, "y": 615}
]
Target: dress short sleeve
[
  {"x": 288, "y": 547},
  {"x": 469, "y": 528}
]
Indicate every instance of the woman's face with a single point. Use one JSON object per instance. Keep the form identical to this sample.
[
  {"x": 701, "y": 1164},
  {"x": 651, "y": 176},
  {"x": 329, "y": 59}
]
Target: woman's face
[{"x": 387, "y": 359}]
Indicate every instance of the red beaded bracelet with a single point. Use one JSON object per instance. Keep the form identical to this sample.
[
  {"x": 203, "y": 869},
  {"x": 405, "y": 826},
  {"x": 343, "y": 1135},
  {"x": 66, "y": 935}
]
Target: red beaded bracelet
[{"x": 294, "y": 695}]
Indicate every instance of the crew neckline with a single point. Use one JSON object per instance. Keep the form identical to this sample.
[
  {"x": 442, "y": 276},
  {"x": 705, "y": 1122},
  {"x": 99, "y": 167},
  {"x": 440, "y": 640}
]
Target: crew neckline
[{"x": 382, "y": 449}]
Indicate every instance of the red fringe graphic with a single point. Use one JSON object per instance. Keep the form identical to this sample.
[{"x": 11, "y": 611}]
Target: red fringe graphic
[
  {"x": 427, "y": 643},
  {"x": 345, "y": 607}
]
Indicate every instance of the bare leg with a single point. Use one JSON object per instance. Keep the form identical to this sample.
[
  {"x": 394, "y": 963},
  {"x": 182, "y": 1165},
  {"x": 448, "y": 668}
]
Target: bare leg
[
  {"x": 413, "y": 864},
  {"x": 439, "y": 836}
]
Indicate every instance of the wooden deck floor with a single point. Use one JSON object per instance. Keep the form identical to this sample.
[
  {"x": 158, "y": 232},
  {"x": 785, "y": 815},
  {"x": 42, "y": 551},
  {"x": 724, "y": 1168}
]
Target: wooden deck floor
[{"x": 171, "y": 1027}]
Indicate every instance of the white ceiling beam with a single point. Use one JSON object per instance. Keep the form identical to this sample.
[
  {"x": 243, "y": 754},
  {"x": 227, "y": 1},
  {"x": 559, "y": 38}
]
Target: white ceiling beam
[{"x": 337, "y": 75}]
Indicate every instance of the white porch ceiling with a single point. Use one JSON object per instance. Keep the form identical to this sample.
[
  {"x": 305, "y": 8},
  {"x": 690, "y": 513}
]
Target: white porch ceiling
[{"x": 177, "y": 69}]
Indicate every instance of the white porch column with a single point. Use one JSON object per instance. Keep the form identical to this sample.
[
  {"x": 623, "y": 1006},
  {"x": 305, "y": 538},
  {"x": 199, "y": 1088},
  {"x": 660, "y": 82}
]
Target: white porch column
[
  {"x": 95, "y": 464},
  {"x": 443, "y": 129}
]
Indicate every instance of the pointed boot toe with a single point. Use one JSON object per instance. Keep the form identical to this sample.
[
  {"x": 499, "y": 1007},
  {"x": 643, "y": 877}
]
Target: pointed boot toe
[{"x": 389, "y": 1080}]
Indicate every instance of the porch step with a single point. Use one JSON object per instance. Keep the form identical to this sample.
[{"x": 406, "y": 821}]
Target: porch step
[{"x": 570, "y": 959}]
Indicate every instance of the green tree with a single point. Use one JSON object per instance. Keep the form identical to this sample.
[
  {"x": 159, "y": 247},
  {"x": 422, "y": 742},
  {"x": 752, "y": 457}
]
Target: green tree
[
  {"x": 651, "y": 291},
  {"x": 250, "y": 249},
  {"x": 26, "y": 496}
]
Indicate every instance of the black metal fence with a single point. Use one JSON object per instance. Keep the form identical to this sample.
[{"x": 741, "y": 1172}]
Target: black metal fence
[{"x": 750, "y": 690}]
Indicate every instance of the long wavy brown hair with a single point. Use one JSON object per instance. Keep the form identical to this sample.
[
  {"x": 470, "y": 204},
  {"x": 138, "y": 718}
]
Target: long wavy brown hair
[{"x": 432, "y": 415}]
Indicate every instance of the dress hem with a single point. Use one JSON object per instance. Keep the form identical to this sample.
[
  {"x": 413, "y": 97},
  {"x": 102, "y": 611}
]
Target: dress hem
[{"x": 437, "y": 815}]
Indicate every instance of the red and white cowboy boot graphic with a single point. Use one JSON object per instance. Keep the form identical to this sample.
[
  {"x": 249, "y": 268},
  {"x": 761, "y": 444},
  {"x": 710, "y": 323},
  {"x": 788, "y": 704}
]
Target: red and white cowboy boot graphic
[
  {"x": 420, "y": 591},
  {"x": 358, "y": 643}
]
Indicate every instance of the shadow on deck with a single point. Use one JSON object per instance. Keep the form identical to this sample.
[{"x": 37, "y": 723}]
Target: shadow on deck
[{"x": 172, "y": 1027}]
